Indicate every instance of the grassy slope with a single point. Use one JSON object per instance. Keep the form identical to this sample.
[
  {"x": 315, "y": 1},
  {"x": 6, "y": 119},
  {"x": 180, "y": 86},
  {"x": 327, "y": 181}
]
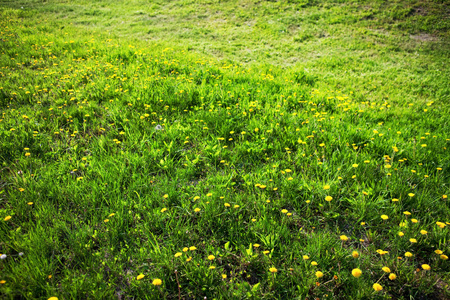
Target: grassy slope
[{"x": 95, "y": 89}]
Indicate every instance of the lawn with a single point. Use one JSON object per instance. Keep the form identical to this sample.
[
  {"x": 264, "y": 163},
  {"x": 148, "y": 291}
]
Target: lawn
[{"x": 224, "y": 149}]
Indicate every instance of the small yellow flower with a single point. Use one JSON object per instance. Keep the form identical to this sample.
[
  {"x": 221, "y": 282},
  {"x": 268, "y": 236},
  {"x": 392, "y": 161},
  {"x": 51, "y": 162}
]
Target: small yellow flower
[
  {"x": 343, "y": 238},
  {"x": 386, "y": 269},
  {"x": 426, "y": 267},
  {"x": 224, "y": 276},
  {"x": 305, "y": 257},
  {"x": 326, "y": 187},
  {"x": 273, "y": 270},
  {"x": 166, "y": 196},
  {"x": 106, "y": 220},
  {"x": 157, "y": 281},
  {"x": 197, "y": 209},
  {"x": 413, "y": 240},
  {"x": 384, "y": 217},
  {"x": 196, "y": 198},
  {"x": 313, "y": 263},
  {"x": 444, "y": 257},
  {"x": 212, "y": 267},
  {"x": 53, "y": 298},
  {"x": 211, "y": 257},
  {"x": 414, "y": 220},
  {"x": 355, "y": 254},
  {"x": 2, "y": 281},
  {"x": 192, "y": 248},
  {"x": 355, "y": 165},
  {"x": 163, "y": 210},
  {"x": 408, "y": 254},
  {"x": 438, "y": 252},
  {"x": 356, "y": 273},
  {"x": 394, "y": 200},
  {"x": 178, "y": 254},
  {"x": 319, "y": 274},
  {"x": 185, "y": 249},
  {"x": 227, "y": 204},
  {"x": 423, "y": 232},
  {"x": 411, "y": 194},
  {"x": 407, "y": 213},
  {"x": 392, "y": 276},
  {"x": 284, "y": 211},
  {"x": 256, "y": 245},
  {"x": 328, "y": 198},
  {"x": 7, "y": 218},
  {"x": 440, "y": 224},
  {"x": 140, "y": 276},
  {"x": 30, "y": 203},
  {"x": 377, "y": 287}
]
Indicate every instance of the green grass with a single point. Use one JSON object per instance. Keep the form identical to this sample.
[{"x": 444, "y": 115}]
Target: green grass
[{"x": 131, "y": 131}]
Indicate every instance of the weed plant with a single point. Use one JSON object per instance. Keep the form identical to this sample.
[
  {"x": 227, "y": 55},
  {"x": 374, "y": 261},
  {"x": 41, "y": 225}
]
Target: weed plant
[{"x": 137, "y": 169}]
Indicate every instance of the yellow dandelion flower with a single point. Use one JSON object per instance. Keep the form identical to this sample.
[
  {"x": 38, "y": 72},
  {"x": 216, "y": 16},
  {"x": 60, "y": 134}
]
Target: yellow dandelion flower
[
  {"x": 440, "y": 224},
  {"x": 211, "y": 257},
  {"x": 7, "y": 218},
  {"x": 157, "y": 281},
  {"x": 384, "y": 217},
  {"x": 192, "y": 248},
  {"x": 426, "y": 267},
  {"x": 314, "y": 263},
  {"x": 326, "y": 187},
  {"x": 392, "y": 276},
  {"x": 413, "y": 240},
  {"x": 185, "y": 249},
  {"x": 178, "y": 254},
  {"x": 408, "y": 254},
  {"x": 140, "y": 276},
  {"x": 319, "y": 274},
  {"x": 197, "y": 209},
  {"x": 355, "y": 254},
  {"x": 284, "y": 211},
  {"x": 166, "y": 196},
  {"x": 273, "y": 270},
  {"x": 377, "y": 287},
  {"x": 343, "y": 238},
  {"x": 438, "y": 252},
  {"x": 305, "y": 257},
  {"x": 328, "y": 198},
  {"x": 411, "y": 195},
  {"x": 386, "y": 269},
  {"x": 163, "y": 210},
  {"x": 356, "y": 273},
  {"x": 423, "y": 232},
  {"x": 444, "y": 257}
]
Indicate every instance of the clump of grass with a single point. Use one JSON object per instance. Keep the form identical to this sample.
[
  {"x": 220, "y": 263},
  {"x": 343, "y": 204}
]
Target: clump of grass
[{"x": 140, "y": 170}]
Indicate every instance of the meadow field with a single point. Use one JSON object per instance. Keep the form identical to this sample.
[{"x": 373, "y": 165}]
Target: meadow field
[{"x": 219, "y": 149}]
